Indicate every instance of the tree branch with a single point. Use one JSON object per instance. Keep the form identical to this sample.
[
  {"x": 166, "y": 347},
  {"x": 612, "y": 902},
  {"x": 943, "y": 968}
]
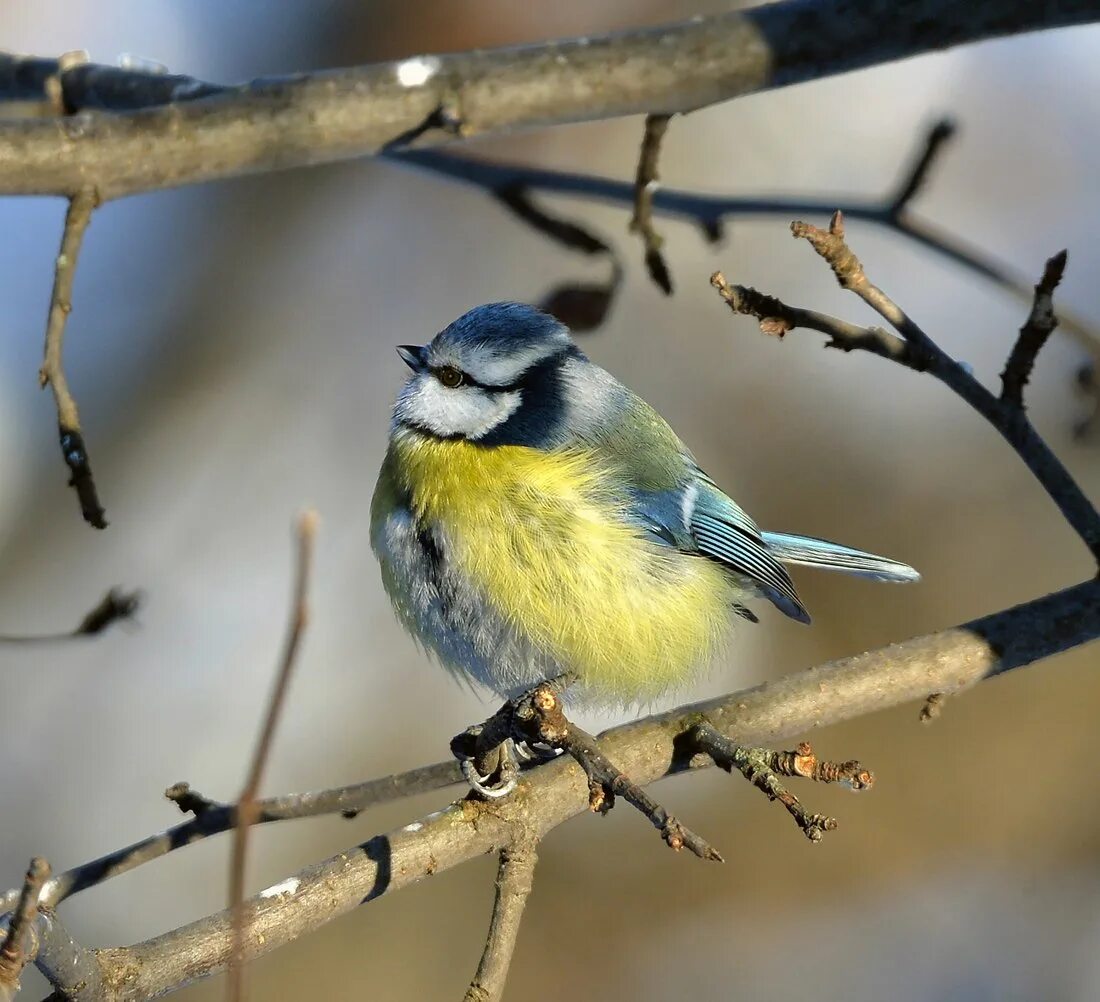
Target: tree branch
[
  {"x": 337, "y": 114},
  {"x": 215, "y": 818},
  {"x": 515, "y": 878},
  {"x": 646, "y": 749},
  {"x": 916, "y": 350}
]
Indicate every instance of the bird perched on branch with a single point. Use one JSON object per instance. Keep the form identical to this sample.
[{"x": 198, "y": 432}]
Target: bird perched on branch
[{"x": 534, "y": 519}]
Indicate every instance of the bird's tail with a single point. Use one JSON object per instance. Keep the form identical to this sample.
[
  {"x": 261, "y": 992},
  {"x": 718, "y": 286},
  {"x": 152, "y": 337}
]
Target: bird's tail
[{"x": 828, "y": 556}]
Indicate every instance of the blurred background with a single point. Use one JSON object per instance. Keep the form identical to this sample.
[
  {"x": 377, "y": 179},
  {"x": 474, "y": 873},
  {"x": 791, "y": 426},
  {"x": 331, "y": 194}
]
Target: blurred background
[{"x": 231, "y": 350}]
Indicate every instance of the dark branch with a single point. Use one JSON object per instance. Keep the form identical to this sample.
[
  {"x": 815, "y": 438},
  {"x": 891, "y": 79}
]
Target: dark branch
[
  {"x": 916, "y": 350},
  {"x": 915, "y": 177},
  {"x": 116, "y": 606},
  {"x": 1040, "y": 324}
]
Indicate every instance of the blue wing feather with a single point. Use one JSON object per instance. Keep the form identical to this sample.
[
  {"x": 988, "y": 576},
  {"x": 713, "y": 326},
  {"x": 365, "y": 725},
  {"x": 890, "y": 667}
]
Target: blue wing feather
[
  {"x": 723, "y": 532},
  {"x": 813, "y": 552}
]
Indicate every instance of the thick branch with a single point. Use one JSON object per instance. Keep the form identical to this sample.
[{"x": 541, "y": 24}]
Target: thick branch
[
  {"x": 515, "y": 878},
  {"x": 646, "y": 750},
  {"x": 338, "y": 114}
]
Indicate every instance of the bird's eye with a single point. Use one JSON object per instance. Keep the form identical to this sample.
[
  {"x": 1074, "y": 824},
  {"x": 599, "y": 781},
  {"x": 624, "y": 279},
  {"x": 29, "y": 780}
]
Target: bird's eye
[{"x": 450, "y": 376}]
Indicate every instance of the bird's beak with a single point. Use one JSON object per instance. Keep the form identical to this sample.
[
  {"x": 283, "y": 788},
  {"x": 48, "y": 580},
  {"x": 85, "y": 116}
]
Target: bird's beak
[{"x": 412, "y": 355}]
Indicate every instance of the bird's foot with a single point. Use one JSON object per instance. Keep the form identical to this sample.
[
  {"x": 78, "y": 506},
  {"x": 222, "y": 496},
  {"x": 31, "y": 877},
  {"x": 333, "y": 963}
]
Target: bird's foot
[{"x": 517, "y": 735}]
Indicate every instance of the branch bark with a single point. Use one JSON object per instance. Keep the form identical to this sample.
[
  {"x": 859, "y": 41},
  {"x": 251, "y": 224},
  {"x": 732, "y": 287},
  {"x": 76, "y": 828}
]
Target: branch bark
[
  {"x": 515, "y": 879},
  {"x": 337, "y": 114}
]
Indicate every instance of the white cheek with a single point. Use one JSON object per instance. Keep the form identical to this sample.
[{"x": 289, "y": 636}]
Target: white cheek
[{"x": 464, "y": 411}]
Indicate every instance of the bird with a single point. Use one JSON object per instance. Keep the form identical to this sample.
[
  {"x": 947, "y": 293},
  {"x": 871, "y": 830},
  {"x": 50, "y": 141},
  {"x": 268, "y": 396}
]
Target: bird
[{"x": 534, "y": 519}]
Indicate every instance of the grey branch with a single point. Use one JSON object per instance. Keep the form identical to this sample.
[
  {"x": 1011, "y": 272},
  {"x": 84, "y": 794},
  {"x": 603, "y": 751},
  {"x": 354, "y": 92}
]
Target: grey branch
[
  {"x": 647, "y": 750},
  {"x": 337, "y": 114},
  {"x": 515, "y": 879}
]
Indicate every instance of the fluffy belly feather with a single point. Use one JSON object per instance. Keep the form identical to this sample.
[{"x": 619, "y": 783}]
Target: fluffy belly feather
[{"x": 539, "y": 563}]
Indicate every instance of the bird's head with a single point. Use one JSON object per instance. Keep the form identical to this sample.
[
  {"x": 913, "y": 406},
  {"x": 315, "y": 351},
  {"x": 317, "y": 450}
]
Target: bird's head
[{"x": 494, "y": 375}]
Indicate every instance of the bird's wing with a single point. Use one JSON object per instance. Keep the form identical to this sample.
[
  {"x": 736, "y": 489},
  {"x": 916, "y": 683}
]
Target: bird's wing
[
  {"x": 723, "y": 531},
  {"x": 676, "y": 504}
]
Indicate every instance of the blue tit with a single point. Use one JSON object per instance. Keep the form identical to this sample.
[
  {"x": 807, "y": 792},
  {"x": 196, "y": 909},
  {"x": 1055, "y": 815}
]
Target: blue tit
[{"x": 534, "y": 518}]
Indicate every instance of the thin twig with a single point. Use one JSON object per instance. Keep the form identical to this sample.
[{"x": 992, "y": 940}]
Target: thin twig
[
  {"x": 762, "y": 767},
  {"x": 1039, "y": 325},
  {"x": 16, "y": 951},
  {"x": 919, "y": 168},
  {"x": 918, "y": 351},
  {"x": 646, "y": 182},
  {"x": 540, "y": 717},
  {"x": 216, "y": 818},
  {"x": 248, "y": 807},
  {"x": 515, "y": 879},
  {"x": 116, "y": 606},
  {"x": 81, "y": 206}
]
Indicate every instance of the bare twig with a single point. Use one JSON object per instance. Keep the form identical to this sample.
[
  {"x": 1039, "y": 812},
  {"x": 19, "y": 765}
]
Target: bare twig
[
  {"x": 248, "y": 807},
  {"x": 116, "y": 606},
  {"x": 16, "y": 950},
  {"x": 1039, "y": 325},
  {"x": 515, "y": 878},
  {"x": 762, "y": 767},
  {"x": 917, "y": 173},
  {"x": 916, "y": 350},
  {"x": 215, "y": 818},
  {"x": 645, "y": 186},
  {"x": 538, "y": 717},
  {"x": 337, "y": 114},
  {"x": 81, "y": 205}
]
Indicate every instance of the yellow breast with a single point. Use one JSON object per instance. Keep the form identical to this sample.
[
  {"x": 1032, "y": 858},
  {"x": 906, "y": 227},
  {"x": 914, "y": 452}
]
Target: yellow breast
[{"x": 546, "y": 539}]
